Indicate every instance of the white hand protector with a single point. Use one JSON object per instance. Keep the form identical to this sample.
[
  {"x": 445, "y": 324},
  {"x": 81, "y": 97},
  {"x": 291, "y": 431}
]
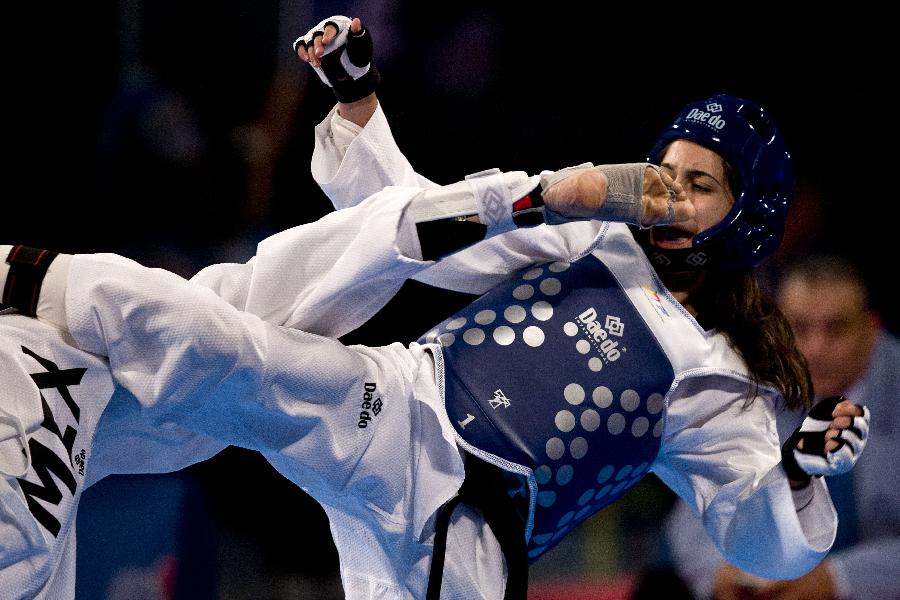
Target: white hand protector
[
  {"x": 347, "y": 64},
  {"x": 813, "y": 460},
  {"x": 624, "y": 196}
]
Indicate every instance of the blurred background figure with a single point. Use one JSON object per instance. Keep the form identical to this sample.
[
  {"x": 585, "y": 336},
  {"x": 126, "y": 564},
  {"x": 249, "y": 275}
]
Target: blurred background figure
[
  {"x": 849, "y": 353},
  {"x": 199, "y": 156}
]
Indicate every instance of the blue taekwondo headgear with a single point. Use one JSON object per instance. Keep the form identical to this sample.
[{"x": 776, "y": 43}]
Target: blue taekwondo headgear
[{"x": 744, "y": 135}]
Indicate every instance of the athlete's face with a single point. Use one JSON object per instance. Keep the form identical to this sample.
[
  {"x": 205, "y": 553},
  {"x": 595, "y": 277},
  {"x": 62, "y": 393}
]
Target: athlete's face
[
  {"x": 702, "y": 174},
  {"x": 833, "y": 329}
]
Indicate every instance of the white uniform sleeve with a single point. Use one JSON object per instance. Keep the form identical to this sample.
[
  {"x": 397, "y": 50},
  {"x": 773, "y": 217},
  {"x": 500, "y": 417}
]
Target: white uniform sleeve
[
  {"x": 722, "y": 456},
  {"x": 330, "y": 276},
  {"x": 349, "y": 173}
]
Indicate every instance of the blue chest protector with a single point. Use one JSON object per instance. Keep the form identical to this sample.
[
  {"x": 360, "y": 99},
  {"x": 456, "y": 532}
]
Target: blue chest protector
[{"x": 557, "y": 374}]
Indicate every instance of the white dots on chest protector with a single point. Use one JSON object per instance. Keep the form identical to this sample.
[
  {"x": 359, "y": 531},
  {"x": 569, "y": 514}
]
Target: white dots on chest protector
[
  {"x": 602, "y": 396},
  {"x": 555, "y": 448},
  {"x": 514, "y": 314},
  {"x": 543, "y": 311},
  {"x": 595, "y": 364},
  {"x": 603, "y": 491},
  {"x": 565, "y": 421},
  {"x": 578, "y": 448},
  {"x": 542, "y": 538},
  {"x": 533, "y": 336},
  {"x": 565, "y": 519},
  {"x": 629, "y": 400},
  {"x": 456, "y": 323},
  {"x": 542, "y": 474},
  {"x": 564, "y": 474},
  {"x": 485, "y": 317},
  {"x": 640, "y": 426},
  {"x": 504, "y": 335},
  {"x": 590, "y": 420},
  {"x": 523, "y": 292},
  {"x": 583, "y": 346},
  {"x": 623, "y": 472},
  {"x": 620, "y": 487},
  {"x": 558, "y": 267},
  {"x": 533, "y": 273},
  {"x": 570, "y": 328},
  {"x": 550, "y": 286},
  {"x": 616, "y": 423},
  {"x": 446, "y": 339},
  {"x": 585, "y": 511},
  {"x": 574, "y": 394},
  {"x": 654, "y": 403},
  {"x": 473, "y": 336}
]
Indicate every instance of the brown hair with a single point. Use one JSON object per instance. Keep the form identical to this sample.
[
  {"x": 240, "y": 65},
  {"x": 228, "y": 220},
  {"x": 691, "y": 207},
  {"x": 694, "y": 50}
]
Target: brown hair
[{"x": 733, "y": 302}]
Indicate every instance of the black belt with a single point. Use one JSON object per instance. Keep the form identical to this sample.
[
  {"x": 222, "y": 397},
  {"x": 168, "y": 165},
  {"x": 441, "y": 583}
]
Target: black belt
[{"x": 485, "y": 489}]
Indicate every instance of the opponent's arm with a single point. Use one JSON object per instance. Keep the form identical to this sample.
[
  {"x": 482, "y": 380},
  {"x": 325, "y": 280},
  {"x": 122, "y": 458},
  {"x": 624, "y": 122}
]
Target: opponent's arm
[{"x": 453, "y": 217}]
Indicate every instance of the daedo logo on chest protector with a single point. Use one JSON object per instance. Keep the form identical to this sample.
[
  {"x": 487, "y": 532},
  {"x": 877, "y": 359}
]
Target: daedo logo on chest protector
[
  {"x": 52, "y": 444},
  {"x": 599, "y": 334}
]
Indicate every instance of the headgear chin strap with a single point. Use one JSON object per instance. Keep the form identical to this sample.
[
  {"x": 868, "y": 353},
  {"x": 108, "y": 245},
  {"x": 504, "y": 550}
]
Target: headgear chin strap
[
  {"x": 744, "y": 135},
  {"x": 696, "y": 258}
]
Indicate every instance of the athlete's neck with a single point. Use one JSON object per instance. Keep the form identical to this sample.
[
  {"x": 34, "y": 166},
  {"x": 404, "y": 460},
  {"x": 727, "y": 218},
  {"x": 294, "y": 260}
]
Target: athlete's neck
[{"x": 683, "y": 285}]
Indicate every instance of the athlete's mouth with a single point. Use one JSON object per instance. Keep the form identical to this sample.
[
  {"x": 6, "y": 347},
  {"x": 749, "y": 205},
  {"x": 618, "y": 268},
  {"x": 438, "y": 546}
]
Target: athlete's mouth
[{"x": 670, "y": 236}]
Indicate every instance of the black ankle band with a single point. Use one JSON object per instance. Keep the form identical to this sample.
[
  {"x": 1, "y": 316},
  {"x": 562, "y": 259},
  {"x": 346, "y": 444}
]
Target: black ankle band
[{"x": 27, "y": 268}]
